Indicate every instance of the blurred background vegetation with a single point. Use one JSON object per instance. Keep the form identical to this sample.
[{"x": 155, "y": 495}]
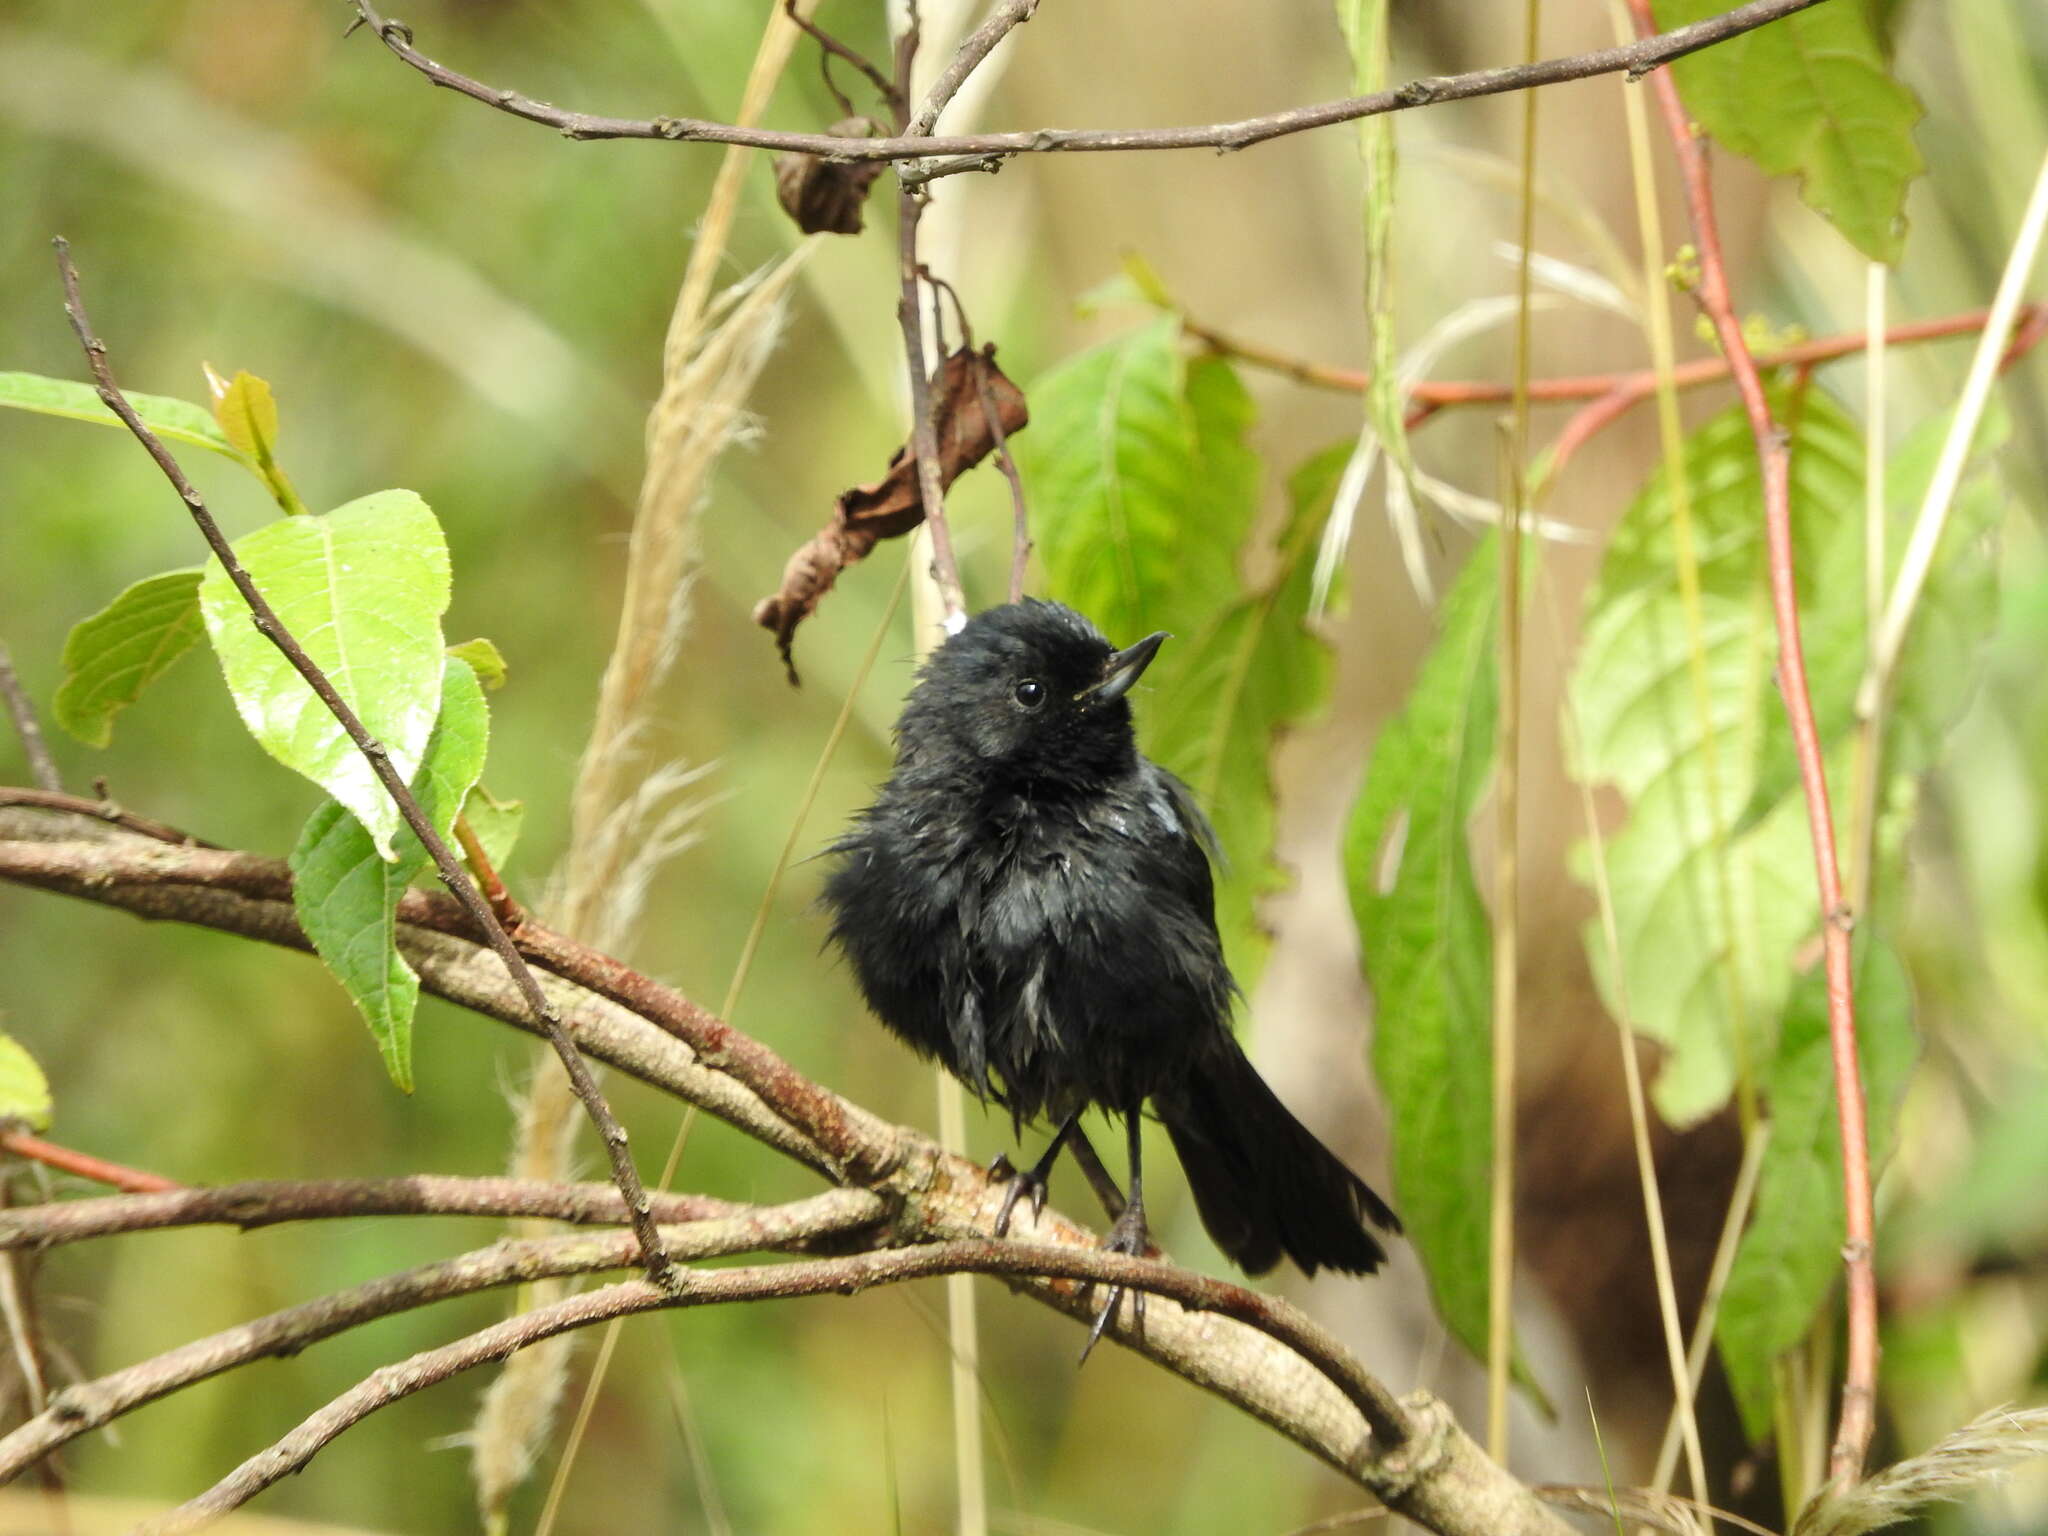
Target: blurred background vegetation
[{"x": 446, "y": 299}]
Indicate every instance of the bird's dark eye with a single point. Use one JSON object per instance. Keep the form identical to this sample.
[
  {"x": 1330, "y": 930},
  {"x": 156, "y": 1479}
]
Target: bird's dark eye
[{"x": 1030, "y": 693}]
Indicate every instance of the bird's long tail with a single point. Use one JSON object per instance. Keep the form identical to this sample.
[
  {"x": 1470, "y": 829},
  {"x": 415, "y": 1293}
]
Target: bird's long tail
[{"x": 1265, "y": 1186}]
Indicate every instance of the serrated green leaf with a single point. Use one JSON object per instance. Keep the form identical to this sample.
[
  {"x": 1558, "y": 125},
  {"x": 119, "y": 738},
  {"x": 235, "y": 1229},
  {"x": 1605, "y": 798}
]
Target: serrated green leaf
[
  {"x": 1255, "y": 672},
  {"x": 485, "y": 660},
  {"x": 1709, "y": 920},
  {"x": 177, "y": 421},
  {"x": 363, "y": 589},
  {"x": 495, "y": 822},
  {"x": 24, "y": 1091},
  {"x": 1428, "y": 950},
  {"x": 347, "y": 896},
  {"x": 1138, "y": 474},
  {"x": 1958, "y": 609},
  {"x": 1812, "y": 95},
  {"x": 247, "y": 413},
  {"x": 1792, "y": 1251},
  {"x": 112, "y": 656}
]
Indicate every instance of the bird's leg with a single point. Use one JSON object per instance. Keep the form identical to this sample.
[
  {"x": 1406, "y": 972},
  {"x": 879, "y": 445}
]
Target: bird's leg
[
  {"x": 1032, "y": 1181},
  {"x": 1127, "y": 1234},
  {"x": 1090, "y": 1163}
]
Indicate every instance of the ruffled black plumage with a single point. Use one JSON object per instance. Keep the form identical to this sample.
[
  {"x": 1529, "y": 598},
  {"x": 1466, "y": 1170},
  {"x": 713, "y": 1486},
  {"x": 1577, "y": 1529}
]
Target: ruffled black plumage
[{"x": 1029, "y": 901}]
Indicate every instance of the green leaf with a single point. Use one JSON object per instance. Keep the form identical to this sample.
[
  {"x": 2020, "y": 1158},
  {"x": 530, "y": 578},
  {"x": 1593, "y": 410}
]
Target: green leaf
[
  {"x": 24, "y": 1091},
  {"x": 485, "y": 660},
  {"x": 495, "y": 822},
  {"x": 1792, "y": 1252},
  {"x": 363, "y": 589},
  {"x": 1811, "y": 94},
  {"x": 1957, "y": 613},
  {"x": 1709, "y": 919},
  {"x": 176, "y": 421},
  {"x": 347, "y": 896},
  {"x": 112, "y": 656},
  {"x": 247, "y": 413},
  {"x": 1428, "y": 950},
  {"x": 1143, "y": 488},
  {"x": 1254, "y": 673}
]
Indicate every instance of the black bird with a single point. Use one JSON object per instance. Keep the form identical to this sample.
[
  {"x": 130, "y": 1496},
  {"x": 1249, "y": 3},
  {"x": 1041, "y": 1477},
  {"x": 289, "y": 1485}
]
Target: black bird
[{"x": 1029, "y": 900}]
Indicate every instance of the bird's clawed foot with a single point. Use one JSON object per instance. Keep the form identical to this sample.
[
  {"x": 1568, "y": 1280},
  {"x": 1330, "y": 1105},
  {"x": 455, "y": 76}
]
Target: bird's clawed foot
[
  {"x": 1126, "y": 1235},
  {"x": 1023, "y": 1182}
]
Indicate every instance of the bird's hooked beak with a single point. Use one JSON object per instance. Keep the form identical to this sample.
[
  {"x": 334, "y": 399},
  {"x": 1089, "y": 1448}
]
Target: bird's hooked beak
[{"x": 1125, "y": 668}]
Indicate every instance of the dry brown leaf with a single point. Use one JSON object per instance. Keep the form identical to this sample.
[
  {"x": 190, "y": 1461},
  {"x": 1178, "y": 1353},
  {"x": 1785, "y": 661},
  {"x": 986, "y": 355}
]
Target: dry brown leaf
[{"x": 892, "y": 505}]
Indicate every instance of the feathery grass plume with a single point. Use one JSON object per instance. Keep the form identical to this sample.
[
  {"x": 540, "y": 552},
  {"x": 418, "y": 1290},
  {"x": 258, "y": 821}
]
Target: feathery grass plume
[
  {"x": 1981, "y": 1452},
  {"x": 625, "y": 818}
]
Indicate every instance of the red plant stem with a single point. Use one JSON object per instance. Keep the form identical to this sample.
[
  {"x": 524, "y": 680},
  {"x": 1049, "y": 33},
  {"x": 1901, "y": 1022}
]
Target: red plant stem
[
  {"x": 1774, "y": 451},
  {"x": 132, "y": 1180},
  {"x": 1612, "y": 392}
]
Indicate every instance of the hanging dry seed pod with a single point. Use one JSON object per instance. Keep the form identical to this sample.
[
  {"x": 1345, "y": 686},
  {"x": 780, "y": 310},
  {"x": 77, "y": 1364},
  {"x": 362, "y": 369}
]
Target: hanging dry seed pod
[{"x": 825, "y": 196}]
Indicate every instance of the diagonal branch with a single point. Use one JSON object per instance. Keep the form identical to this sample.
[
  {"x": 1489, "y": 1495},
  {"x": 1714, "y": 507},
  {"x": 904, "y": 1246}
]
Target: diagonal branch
[
  {"x": 986, "y": 151},
  {"x": 445, "y": 862}
]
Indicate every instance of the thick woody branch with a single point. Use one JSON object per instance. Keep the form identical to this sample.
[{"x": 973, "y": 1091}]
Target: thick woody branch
[
  {"x": 1226, "y": 1341},
  {"x": 986, "y": 151},
  {"x": 1432, "y": 1473},
  {"x": 374, "y": 752}
]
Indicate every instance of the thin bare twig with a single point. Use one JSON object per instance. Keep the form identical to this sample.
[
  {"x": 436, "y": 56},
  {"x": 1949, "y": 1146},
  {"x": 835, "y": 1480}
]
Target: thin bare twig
[
  {"x": 892, "y": 98},
  {"x": 1390, "y": 1419},
  {"x": 1020, "y": 536},
  {"x": 89, "y": 1405},
  {"x": 660, "y": 1271},
  {"x": 924, "y": 435},
  {"x": 22, "y": 710},
  {"x": 272, "y": 1202},
  {"x": 101, "y": 810},
  {"x": 83, "y": 1164},
  {"x": 986, "y": 151},
  {"x": 975, "y": 47},
  {"x": 1774, "y": 453}
]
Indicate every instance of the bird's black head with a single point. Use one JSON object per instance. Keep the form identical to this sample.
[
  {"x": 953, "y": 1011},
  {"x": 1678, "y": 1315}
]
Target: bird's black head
[{"x": 1032, "y": 694}]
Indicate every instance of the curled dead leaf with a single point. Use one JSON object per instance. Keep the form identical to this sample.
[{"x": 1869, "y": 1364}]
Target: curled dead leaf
[
  {"x": 891, "y": 506},
  {"x": 826, "y": 196}
]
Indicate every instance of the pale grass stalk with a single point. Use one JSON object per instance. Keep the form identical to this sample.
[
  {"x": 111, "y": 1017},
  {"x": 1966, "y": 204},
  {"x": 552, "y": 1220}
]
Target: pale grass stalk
[
  {"x": 1507, "y": 797},
  {"x": 1684, "y": 1382},
  {"x": 1710, "y": 1304},
  {"x": 1671, "y": 436},
  {"x": 963, "y": 1321},
  {"x": 1918, "y": 559}
]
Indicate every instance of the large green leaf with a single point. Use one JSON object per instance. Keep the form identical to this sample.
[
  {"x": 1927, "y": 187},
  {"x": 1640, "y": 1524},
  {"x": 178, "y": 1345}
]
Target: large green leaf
[
  {"x": 177, "y": 421},
  {"x": 1709, "y": 918},
  {"x": 1811, "y": 94},
  {"x": 112, "y": 656},
  {"x": 363, "y": 589},
  {"x": 1252, "y": 674},
  {"x": 347, "y": 896},
  {"x": 1428, "y": 950},
  {"x": 1792, "y": 1251},
  {"x": 1141, "y": 487}
]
